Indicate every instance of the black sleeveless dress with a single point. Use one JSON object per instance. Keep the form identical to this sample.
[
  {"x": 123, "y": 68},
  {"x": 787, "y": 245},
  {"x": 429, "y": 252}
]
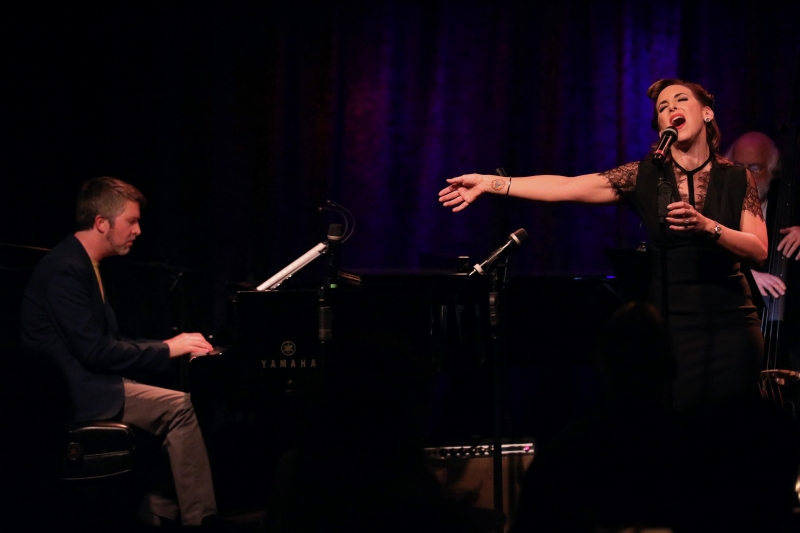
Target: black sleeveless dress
[{"x": 715, "y": 328}]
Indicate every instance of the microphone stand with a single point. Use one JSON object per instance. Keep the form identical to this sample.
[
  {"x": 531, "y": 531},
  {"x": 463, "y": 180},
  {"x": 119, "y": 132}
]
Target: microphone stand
[
  {"x": 496, "y": 267},
  {"x": 325, "y": 321},
  {"x": 327, "y": 290},
  {"x": 664, "y": 197},
  {"x": 497, "y": 280}
]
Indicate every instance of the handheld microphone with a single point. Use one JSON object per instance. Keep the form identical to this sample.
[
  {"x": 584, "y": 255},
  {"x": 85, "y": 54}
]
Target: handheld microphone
[
  {"x": 514, "y": 240},
  {"x": 668, "y": 136}
]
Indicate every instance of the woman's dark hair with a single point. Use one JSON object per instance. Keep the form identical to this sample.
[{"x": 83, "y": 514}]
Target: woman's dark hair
[{"x": 705, "y": 98}]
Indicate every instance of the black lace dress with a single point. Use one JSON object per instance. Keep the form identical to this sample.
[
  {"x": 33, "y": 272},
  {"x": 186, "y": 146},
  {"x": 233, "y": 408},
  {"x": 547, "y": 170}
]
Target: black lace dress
[{"x": 715, "y": 328}]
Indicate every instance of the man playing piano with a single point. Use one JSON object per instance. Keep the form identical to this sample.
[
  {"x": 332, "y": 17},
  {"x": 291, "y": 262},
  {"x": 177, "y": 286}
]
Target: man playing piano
[{"x": 65, "y": 316}]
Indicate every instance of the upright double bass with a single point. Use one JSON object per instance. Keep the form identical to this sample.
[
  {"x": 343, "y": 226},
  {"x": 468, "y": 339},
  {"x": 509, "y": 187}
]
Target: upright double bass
[{"x": 780, "y": 379}]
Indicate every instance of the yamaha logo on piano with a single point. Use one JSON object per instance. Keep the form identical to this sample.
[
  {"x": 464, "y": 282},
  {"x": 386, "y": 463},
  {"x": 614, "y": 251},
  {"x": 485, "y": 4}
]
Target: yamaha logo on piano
[{"x": 288, "y": 349}]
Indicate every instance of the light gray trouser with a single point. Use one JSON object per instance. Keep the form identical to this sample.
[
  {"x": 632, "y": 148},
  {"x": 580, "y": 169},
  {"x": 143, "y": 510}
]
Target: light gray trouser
[{"x": 170, "y": 413}]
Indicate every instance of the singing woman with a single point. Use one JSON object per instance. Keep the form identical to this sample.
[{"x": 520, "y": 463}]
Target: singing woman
[{"x": 714, "y": 222}]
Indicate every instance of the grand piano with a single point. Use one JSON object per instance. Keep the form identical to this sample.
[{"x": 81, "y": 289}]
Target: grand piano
[
  {"x": 549, "y": 322},
  {"x": 252, "y": 398}
]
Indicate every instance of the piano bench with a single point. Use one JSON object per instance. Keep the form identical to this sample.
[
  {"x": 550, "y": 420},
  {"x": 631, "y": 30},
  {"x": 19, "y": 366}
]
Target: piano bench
[
  {"x": 98, "y": 486},
  {"x": 97, "y": 450}
]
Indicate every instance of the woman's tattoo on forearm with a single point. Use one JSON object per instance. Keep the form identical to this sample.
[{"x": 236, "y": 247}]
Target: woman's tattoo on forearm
[{"x": 498, "y": 184}]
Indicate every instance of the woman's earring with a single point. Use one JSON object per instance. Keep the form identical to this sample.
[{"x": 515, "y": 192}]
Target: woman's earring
[{"x": 708, "y": 119}]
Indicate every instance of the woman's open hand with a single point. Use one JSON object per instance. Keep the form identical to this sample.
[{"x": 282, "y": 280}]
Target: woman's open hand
[{"x": 462, "y": 191}]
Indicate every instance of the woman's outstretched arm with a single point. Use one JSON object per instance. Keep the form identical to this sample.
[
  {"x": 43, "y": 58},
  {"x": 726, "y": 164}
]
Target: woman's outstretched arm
[{"x": 588, "y": 188}]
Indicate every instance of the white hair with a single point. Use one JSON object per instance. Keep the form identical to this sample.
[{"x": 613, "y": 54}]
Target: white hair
[{"x": 774, "y": 163}]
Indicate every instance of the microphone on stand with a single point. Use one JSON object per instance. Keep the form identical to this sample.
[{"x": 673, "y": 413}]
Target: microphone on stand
[
  {"x": 668, "y": 136},
  {"x": 514, "y": 240},
  {"x": 664, "y": 192}
]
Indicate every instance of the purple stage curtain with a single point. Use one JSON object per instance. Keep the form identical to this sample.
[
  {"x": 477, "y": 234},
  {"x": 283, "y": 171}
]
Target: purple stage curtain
[{"x": 239, "y": 121}]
